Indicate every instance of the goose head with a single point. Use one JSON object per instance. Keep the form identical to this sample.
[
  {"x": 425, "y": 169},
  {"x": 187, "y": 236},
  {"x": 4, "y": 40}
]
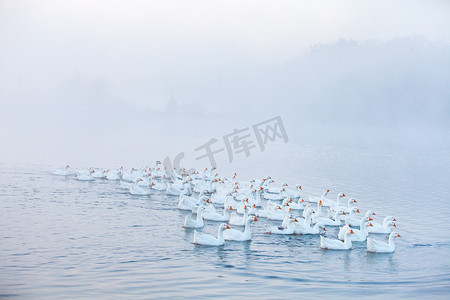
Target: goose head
[
  {"x": 354, "y": 210},
  {"x": 395, "y": 234},
  {"x": 390, "y": 223},
  {"x": 224, "y": 226},
  {"x": 252, "y": 218},
  {"x": 370, "y": 213},
  {"x": 348, "y": 232}
]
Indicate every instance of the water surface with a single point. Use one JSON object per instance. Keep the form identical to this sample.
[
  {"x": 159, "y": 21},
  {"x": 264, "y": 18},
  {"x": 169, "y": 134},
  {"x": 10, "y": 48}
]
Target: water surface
[{"x": 61, "y": 238}]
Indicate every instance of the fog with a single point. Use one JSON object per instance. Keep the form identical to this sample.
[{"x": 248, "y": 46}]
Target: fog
[{"x": 105, "y": 82}]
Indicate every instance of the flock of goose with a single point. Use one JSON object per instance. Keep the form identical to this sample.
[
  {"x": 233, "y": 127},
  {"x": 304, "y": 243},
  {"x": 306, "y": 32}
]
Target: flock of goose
[{"x": 241, "y": 203}]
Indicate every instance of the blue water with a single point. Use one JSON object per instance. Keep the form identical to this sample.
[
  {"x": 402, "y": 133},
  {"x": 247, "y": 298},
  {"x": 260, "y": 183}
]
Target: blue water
[{"x": 61, "y": 238}]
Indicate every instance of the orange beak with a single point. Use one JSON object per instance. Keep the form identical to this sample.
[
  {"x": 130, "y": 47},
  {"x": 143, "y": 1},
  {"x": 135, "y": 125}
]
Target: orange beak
[
  {"x": 351, "y": 231},
  {"x": 245, "y": 206},
  {"x": 254, "y": 205},
  {"x": 370, "y": 224},
  {"x": 228, "y": 227},
  {"x": 370, "y": 219},
  {"x": 354, "y": 201},
  {"x": 399, "y": 235},
  {"x": 343, "y": 195},
  {"x": 344, "y": 213},
  {"x": 328, "y": 191},
  {"x": 394, "y": 220},
  {"x": 296, "y": 220},
  {"x": 320, "y": 202},
  {"x": 358, "y": 210},
  {"x": 256, "y": 219},
  {"x": 231, "y": 208},
  {"x": 324, "y": 228},
  {"x": 300, "y": 187},
  {"x": 395, "y": 225},
  {"x": 284, "y": 190}
]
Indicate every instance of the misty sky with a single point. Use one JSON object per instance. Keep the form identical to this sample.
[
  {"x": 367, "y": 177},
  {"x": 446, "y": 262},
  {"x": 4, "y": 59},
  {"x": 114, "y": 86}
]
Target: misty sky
[{"x": 81, "y": 78}]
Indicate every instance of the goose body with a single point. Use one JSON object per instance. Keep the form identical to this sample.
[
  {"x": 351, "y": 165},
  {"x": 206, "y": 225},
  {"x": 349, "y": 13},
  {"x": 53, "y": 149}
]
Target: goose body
[
  {"x": 209, "y": 240},
  {"x": 382, "y": 247},
  {"x": 194, "y": 223},
  {"x": 331, "y": 244},
  {"x": 237, "y": 235}
]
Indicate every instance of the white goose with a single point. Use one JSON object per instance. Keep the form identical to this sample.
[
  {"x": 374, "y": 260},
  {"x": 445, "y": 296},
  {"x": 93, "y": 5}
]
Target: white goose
[
  {"x": 209, "y": 240},
  {"x": 194, "y": 223},
  {"x": 382, "y": 228},
  {"x": 236, "y": 235},
  {"x": 330, "y": 244},
  {"x": 382, "y": 247}
]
